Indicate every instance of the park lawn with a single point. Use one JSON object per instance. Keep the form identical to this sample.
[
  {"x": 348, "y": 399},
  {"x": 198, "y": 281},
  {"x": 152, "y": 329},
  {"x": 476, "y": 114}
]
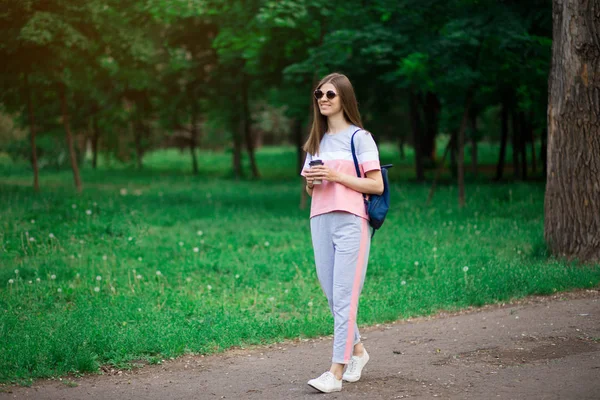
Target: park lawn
[{"x": 152, "y": 264}]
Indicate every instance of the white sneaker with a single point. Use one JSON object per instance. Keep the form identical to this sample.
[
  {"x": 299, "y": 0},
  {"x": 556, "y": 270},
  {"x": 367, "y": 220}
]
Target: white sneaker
[
  {"x": 355, "y": 367},
  {"x": 326, "y": 383}
]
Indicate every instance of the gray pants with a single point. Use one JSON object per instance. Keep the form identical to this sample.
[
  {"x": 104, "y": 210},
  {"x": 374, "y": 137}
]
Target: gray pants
[{"x": 341, "y": 242}]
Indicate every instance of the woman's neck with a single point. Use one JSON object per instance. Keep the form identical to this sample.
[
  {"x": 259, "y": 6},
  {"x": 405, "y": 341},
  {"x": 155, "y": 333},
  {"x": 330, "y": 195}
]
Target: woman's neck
[{"x": 337, "y": 123}]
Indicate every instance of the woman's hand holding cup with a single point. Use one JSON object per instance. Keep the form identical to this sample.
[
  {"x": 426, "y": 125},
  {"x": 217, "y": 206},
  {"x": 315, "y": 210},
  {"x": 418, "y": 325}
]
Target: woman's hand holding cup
[{"x": 313, "y": 163}]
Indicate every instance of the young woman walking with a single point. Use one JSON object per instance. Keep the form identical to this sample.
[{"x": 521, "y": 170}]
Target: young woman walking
[{"x": 340, "y": 230}]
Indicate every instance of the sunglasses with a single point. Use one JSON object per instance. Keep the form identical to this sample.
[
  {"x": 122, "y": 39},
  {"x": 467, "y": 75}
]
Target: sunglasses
[{"x": 330, "y": 94}]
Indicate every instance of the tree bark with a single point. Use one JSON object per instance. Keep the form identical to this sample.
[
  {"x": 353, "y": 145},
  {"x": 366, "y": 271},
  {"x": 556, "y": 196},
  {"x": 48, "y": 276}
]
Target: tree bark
[
  {"x": 247, "y": 122},
  {"x": 524, "y": 137},
  {"x": 32, "y": 131},
  {"x": 503, "y": 141},
  {"x": 237, "y": 148},
  {"x": 415, "y": 122},
  {"x": 65, "y": 117},
  {"x": 572, "y": 201}
]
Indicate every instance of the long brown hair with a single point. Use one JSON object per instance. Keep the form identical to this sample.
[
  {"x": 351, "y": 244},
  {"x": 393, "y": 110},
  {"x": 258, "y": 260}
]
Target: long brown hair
[{"x": 349, "y": 106}]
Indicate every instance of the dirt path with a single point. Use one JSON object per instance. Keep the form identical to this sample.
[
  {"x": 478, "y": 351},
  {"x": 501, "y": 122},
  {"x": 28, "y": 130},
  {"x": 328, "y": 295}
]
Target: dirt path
[{"x": 537, "y": 348}]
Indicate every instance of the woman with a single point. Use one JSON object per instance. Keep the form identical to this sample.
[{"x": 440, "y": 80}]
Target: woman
[{"x": 339, "y": 225}]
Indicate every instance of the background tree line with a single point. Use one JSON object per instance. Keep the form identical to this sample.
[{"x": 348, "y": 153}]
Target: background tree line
[{"x": 123, "y": 77}]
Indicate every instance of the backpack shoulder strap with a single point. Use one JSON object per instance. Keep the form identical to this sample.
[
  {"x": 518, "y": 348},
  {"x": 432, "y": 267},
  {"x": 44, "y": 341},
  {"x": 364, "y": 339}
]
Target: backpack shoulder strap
[{"x": 354, "y": 154}]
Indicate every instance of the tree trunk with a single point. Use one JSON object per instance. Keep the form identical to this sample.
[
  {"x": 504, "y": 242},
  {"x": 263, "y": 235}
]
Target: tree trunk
[
  {"x": 247, "y": 121},
  {"x": 137, "y": 135},
  {"x": 401, "y": 142},
  {"x": 65, "y": 117},
  {"x": 572, "y": 201},
  {"x": 194, "y": 139},
  {"x": 237, "y": 148},
  {"x": 431, "y": 110},
  {"x": 524, "y": 137},
  {"x": 474, "y": 152},
  {"x": 461, "y": 149},
  {"x": 516, "y": 147},
  {"x": 34, "y": 161},
  {"x": 95, "y": 138},
  {"x": 415, "y": 122},
  {"x": 503, "y": 141}
]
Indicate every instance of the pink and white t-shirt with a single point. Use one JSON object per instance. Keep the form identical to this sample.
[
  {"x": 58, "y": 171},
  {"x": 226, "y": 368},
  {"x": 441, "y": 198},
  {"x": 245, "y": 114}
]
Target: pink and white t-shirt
[{"x": 336, "y": 153}]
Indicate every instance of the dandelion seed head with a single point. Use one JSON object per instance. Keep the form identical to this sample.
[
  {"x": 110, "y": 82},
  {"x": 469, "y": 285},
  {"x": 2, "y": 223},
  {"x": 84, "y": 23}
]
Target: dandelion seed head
[
  {"x": 59, "y": 290},
  {"x": 112, "y": 289},
  {"x": 202, "y": 241},
  {"x": 158, "y": 273},
  {"x": 51, "y": 235},
  {"x": 73, "y": 206},
  {"x": 188, "y": 279},
  {"x": 71, "y": 286},
  {"x": 77, "y": 275},
  {"x": 96, "y": 289},
  {"x": 32, "y": 239},
  {"x": 138, "y": 276},
  {"x": 16, "y": 271},
  {"x": 52, "y": 277},
  {"x": 181, "y": 243},
  {"x": 98, "y": 278},
  {"x": 465, "y": 269},
  {"x": 88, "y": 212},
  {"x": 81, "y": 241},
  {"x": 286, "y": 290},
  {"x": 33, "y": 221},
  {"x": 196, "y": 249},
  {"x": 435, "y": 249},
  {"x": 123, "y": 192},
  {"x": 37, "y": 279},
  {"x": 104, "y": 257},
  {"x": 271, "y": 298},
  {"x": 11, "y": 281},
  {"x": 237, "y": 276},
  {"x": 416, "y": 263},
  {"x": 403, "y": 283},
  {"x": 30, "y": 282},
  {"x": 137, "y": 192},
  {"x": 72, "y": 256},
  {"x": 139, "y": 258},
  {"x": 310, "y": 303},
  {"x": 267, "y": 244},
  {"x": 130, "y": 238},
  {"x": 200, "y": 233},
  {"x": 94, "y": 204},
  {"x": 209, "y": 287},
  {"x": 26, "y": 233},
  {"x": 139, "y": 309}
]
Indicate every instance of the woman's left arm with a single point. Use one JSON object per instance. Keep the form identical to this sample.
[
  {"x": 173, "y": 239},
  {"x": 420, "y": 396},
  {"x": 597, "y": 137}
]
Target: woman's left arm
[{"x": 371, "y": 184}]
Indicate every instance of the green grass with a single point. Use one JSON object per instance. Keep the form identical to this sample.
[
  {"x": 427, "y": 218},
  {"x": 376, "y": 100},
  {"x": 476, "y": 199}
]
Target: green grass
[{"x": 158, "y": 263}]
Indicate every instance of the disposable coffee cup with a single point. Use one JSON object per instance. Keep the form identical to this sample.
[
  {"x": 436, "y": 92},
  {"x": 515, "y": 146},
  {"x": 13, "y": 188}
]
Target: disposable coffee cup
[{"x": 312, "y": 164}]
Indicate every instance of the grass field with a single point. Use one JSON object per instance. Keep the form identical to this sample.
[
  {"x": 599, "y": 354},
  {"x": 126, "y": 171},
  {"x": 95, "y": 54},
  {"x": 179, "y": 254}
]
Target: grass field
[{"x": 146, "y": 265}]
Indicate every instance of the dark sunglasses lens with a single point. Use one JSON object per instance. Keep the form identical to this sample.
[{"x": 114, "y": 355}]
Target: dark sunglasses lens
[
  {"x": 330, "y": 94},
  {"x": 318, "y": 94}
]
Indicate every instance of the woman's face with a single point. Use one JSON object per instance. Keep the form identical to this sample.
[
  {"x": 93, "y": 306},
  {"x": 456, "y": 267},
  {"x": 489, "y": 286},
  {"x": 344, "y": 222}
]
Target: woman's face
[{"x": 327, "y": 106}]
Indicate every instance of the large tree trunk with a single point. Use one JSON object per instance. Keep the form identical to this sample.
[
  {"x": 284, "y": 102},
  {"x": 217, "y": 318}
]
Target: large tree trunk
[
  {"x": 138, "y": 128},
  {"x": 237, "y": 148},
  {"x": 572, "y": 220},
  {"x": 34, "y": 161},
  {"x": 247, "y": 128},
  {"x": 503, "y": 141},
  {"x": 524, "y": 137},
  {"x": 415, "y": 122},
  {"x": 65, "y": 117}
]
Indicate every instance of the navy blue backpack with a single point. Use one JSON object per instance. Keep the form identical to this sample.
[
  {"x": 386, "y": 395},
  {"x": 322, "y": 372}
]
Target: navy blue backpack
[{"x": 377, "y": 205}]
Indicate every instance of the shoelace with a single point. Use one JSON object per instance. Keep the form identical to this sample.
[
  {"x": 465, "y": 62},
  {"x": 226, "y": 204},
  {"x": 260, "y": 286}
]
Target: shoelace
[
  {"x": 353, "y": 364},
  {"x": 326, "y": 377}
]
